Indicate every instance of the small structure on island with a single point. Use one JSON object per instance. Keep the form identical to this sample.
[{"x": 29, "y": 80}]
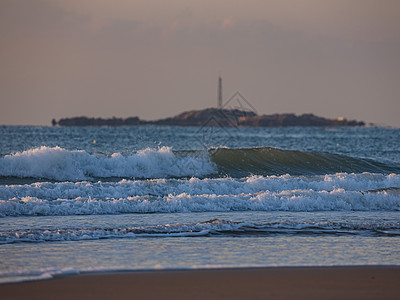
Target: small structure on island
[
  {"x": 234, "y": 112},
  {"x": 219, "y": 104}
]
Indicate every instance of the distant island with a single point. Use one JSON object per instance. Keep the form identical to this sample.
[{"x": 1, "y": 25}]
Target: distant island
[{"x": 215, "y": 117}]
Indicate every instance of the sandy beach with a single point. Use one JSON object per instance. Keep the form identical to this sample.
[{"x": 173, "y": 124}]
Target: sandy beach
[{"x": 254, "y": 283}]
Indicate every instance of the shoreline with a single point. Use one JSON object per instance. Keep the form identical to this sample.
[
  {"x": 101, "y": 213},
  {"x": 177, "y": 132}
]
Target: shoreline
[{"x": 321, "y": 282}]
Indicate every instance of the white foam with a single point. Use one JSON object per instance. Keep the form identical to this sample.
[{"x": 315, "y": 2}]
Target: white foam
[
  {"x": 290, "y": 193},
  {"x": 290, "y": 200},
  {"x": 61, "y": 164},
  {"x": 196, "y": 186}
]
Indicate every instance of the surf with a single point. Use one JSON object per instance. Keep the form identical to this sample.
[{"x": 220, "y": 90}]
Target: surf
[{"x": 59, "y": 164}]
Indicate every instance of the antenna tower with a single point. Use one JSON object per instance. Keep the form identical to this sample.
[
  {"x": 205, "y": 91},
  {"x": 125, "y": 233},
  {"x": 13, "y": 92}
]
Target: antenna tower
[{"x": 219, "y": 92}]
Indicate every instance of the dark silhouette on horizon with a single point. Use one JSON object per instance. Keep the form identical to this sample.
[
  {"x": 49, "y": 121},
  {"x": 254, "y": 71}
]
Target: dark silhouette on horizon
[{"x": 215, "y": 117}]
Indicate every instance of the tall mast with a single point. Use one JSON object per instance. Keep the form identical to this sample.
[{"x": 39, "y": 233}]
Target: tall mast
[{"x": 219, "y": 92}]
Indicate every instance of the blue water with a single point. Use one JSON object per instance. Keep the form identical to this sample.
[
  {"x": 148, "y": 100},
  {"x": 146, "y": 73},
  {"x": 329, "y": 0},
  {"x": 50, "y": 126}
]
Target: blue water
[{"x": 143, "y": 197}]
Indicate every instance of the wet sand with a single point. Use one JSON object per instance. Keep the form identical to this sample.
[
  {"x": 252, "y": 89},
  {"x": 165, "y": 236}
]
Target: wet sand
[{"x": 252, "y": 283}]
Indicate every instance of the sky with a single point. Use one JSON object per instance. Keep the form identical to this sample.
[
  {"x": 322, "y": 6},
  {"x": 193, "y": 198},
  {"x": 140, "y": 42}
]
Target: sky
[{"x": 157, "y": 58}]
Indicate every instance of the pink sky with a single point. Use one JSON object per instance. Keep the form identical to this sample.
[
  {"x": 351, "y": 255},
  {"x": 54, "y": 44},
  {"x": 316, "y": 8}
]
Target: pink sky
[{"x": 154, "y": 59}]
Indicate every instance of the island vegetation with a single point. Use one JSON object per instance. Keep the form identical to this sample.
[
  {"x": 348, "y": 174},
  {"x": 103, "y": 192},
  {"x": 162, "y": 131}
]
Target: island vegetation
[{"x": 215, "y": 117}]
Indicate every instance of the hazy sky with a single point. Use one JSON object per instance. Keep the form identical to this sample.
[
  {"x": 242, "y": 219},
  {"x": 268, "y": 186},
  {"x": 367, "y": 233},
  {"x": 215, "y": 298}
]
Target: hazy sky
[{"x": 157, "y": 58}]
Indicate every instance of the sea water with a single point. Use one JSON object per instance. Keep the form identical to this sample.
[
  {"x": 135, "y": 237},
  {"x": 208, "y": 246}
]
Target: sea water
[{"x": 79, "y": 199}]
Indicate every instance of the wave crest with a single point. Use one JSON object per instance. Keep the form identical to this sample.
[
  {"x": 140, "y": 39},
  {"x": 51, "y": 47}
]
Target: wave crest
[
  {"x": 56, "y": 163},
  {"x": 59, "y": 164}
]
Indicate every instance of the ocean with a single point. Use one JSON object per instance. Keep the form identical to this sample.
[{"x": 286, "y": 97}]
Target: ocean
[{"x": 90, "y": 199}]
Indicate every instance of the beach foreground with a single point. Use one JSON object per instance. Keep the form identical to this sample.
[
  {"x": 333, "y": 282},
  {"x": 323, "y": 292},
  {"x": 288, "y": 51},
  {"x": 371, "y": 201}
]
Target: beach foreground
[{"x": 252, "y": 283}]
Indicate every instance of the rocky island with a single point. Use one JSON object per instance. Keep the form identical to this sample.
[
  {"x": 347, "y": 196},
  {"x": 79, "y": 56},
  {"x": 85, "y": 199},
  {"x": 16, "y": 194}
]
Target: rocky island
[{"x": 215, "y": 117}]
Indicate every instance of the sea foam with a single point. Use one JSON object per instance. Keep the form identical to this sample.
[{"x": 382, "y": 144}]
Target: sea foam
[
  {"x": 56, "y": 163},
  {"x": 338, "y": 192}
]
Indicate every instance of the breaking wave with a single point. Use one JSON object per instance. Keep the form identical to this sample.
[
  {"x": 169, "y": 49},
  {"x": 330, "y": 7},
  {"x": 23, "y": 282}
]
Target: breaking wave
[
  {"x": 55, "y": 163},
  {"x": 338, "y": 192},
  {"x": 59, "y": 164}
]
